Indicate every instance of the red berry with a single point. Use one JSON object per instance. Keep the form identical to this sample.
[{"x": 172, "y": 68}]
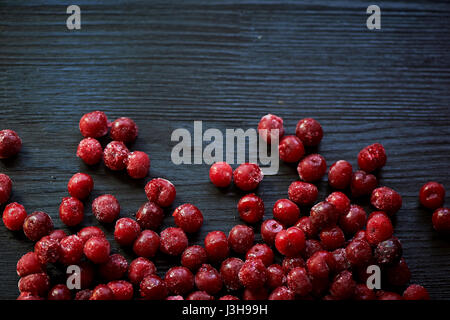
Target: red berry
[
  {"x": 71, "y": 211},
  {"x": 199, "y": 295},
  {"x": 291, "y": 149},
  {"x": 240, "y": 238},
  {"x": 58, "y": 234},
  {"x": 388, "y": 252},
  {"x": 323, "y": 215},
  {"x": 253, "y": 274},
  {"x": 115, "y": 155},
  {"x": 124, "y": 129},
  {"x": 389, "y": 296},
  {"x": 153, "y": 288},
  {"x": 5, "y": 188},
  {"x": 303, "y": 193},
  {"x": 28, "y": 296},
  {"x": 416, "y": 292},
  {"x": 343, "y": 286},
  {"x": 399, "y": 274},
  {"x": 188, "y": 217},
  {"x": 90, "y": 151},
  {"x": 269, "y": 230},
  {"x": 363, "y": 293},
  {"x": 173, "y": 241},
  {"x": 83, "y": 294},
  {"x": 179, "y": 280},
  {"x": 229, "y": 271},
  {"x": 208, "y": 279},
  {"x": 363, "y": 183},
  {"x": 312, "y": 168},
  {"x": 304, "y": 223},
  {"x": 372, "y": 157},
  {"x": 309, "y": 131},
  {"x": 340, "y": 201},
  {"x": 80, "y": 185},
  {"x": 146, "y": 244},
  {"x": 139, "y": 269},
  {"x": 47, "y": 250},
  {"x": 160, "y": 191},
  {"x": 229, "y": 297},
  {"x": 275, "y": 276},
  {"x": 114, "y": 268},
  {"x": 261, "y": 251},
  {"x": 88, "y": 232},
  {"x": 386, "y": 199},
  {"x": 126, "y": 231},
  {"x": 138, "y": 164},
  {"x": 97, "y": 249},
  {"x": 123, "y": 290},
  {"x": 221, "y": 174},
  {"x": 216, "y": 246},
  {"x": 94, "y": 124},
  {"x": 298, "y": 281},
  {"x": 59, "y": 292},
  {"x": 29, "y": 263},
  {"x": 150, "y": 216},
  {"x": 282, "y": 293},
  {"x": 320, "y": 264},
  {"x": 441, "y": 220},
  {"x": 193, "y": 257},
  {"x": 251, "y": 208},
  {"x": 257, "y": 294},
  {"x": 286, "y": 212},
  {"x": 14, "y": 216},
  {"x": 340, "y": 259},
  {"x": 358, "y": 253},
  {"x": 311, "y": 247},
  {"x": 70, "y": 250},
  {"x": 106, "y": 208},
  {"x": 10, "y": 144},
  {"x": 290, "y": 242},
  {"x": 36, "y": 283},
  {"x": 270, "y": 127},
  {"x": 102, "y": 292},
  {"x": 431, "y": 195},
  {"x": 174, "y": 298},
  {"x": 37, "y": 225},
  {"x": 340, "y": 175},
  {"x": 332, "y": 238},
  {"x": 379, "y": 228},
  {"x": 290, "y": 263},
  {"x": 354, "y": 220},
  {"x": 247, "y": 176}
]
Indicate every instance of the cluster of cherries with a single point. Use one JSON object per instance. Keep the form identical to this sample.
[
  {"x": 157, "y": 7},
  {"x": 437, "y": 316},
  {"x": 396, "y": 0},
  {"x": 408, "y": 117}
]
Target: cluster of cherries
[{"x": 325, "y": 254}]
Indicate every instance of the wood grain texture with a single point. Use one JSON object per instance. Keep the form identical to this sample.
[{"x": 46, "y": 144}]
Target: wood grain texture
[{"x": 166, "y": 64}]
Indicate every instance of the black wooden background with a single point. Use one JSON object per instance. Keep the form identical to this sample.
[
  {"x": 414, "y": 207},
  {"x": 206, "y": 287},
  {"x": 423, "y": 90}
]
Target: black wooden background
[{"x": 166, "y": 64}]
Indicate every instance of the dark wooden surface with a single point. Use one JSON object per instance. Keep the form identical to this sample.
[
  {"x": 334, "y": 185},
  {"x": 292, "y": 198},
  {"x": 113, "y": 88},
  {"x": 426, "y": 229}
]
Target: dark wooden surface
[{"x": 227, "y": 63}]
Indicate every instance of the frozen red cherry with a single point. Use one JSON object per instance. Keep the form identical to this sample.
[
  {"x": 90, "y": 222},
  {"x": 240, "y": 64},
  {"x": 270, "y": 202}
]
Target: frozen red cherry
[
  {"x": 270, "y": 127},
  {"x": 70, "y": 250},
  {"x": 309, "y": 131},
  {"x": 193, "y": 257},
  {"x": 153, "y": 287},
  {"x": 431, "y": 195},
  {"x": 106, "y": 208},
  {"x": 5, "y": 188},
  {"x": 47, "y": 250},
  {"x": 269, "y": 230},
  {"x": 291, "y": 149},
  {"x": 386, "y": 199},
  {"x": 28, "y": 296},
  {"x": 115, "y": 155},
  {"x": 114, "y": 268},
  {"x": 253, "y": 274},
  {"x": 255, "y": 294},
  {"x": 216, "y": 246},
  {"x": 90, "y": 151},
  {"x": 221, "y": 174},
  {"x": 123, "y": 290},
  {"x": 160, "y": 191},
  {"x": 37, "y": 225},
  {"x": 13, "y": 216},
  {"x": 399, "y": 274},
  {"x": 282, "y": 293},
  {"x": 261, "y": 251},
  {"x": 290, "y": 263},
  {"x": 340, "y": 259},
  {"x": 88, "y": 232},
  {"x": 298, "y": 281},
  {"x": 94, "y": 124},
  {"x": 362, "y": 293},
  {"x": 59, "y": 292},
  {"x": 71, "y": 211},
  {"x": 441, "y": 220},
  {"x": 124, "y": 129},
  {"x": 247, "y": 176},
  {"x": 229, "y": 271},
  {"x": 229, "y": 297},
  {"x": 36, "y": 283},
  {"x": 379, "y": 228},
  {"x": 179, "y": 280},
  {"x": 358, "y": 253},
  {"x": 173, "y": 241},
  {"x": 304, "y": 223},
  {"x": 97, "y": 249},
  {"x": 290, "y": 242},
  {"x": 10, "y": 143},
  {"x": 146, "y": 244},
  {"x": 251, "y": 208},
  {"x": 388, "y": 252},
  {"x": 372, "y": 157},
  {"x": 312, "y": 168},
  {"x": 83, "y": 294},
  {"x": 323, "y": 215},
  {"x": 362, "y": 183},
  {"x": 29, "y": 263},
  {"x": 188, "y": 217},
  {"x": 58, "y": 234},
  {"x": 311, "y": 247},
  {"x": 354, "y": 220},
  {"x": 286, "y": 212},
  {"x": 139, "y": 269},
  {"x": 275, "y": 276},
  {"x": 340, "y": 174},
  {"x": 241, "y": 238},
  {"x": 150, "y": 216},
  {"x": 126, "y": 231},
  {"x": 199, "y": 295},
  {"x": 208, "y": 279},
  {"x": 102, "y": 292},
  {"x": 343, "y": 285},
  {"x": 138, "y": 164},
  {"x": 320, "y": 264},
  {"x": 340, "y": 201},
  {"x": 80, "y": 185},
  {"x": 303, "y": 193},
  {"x": 332, "y": 238},
  {"x": 416, "y": 292}
]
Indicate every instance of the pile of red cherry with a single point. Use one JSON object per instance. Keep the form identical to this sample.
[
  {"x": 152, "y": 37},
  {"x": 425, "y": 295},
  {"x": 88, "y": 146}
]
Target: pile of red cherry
[{"x": 326, "y": 254}]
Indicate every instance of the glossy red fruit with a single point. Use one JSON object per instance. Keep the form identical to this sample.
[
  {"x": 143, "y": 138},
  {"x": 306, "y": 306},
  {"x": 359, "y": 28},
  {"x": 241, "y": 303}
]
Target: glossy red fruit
[
  {"x": 399, "y": 274},
  {"x": 36, "y": 283},
  {"x": 290, "y": 263},
  {"x": 257, "y": 294},
  {"x": 179, "y": 280},
  {"x": 193, "y": 257},
  {"x": 386, "y": 199},
  {"x": 303, "y": 193},
  {"x": 341, "y": 262},
  {"x": 432, "y": 195},
  {"x": 70, "y": 250},
  {"x": 441, "y": 220},
  {"x": 10, "y": 143},
  {"x": 58, "y": 234},
  {"x": 5, "y": 188},
  {"x": 14, "y": 216},
  {"x": 174, "y": 298},
  {"x": 340, "y": 201},
  {"x": 332, "y": 238},
  {"x": 29, "y": 263},
  {"x": 123, "y": 290},
  {"x": 379, "y": 228},
  {"x": 47, "y": 250},
  {"x": 28, "y": 296},
  {"x": 150, "y": 216},
  {"x": 298, "y": 281},
  {"x": 160, "y": 191},
  {"x": 88, "y": 232},
  {"x": 188, "y": 217},
  {"x": 362, "y": 292},
  {"x": 173, "y": 241},
  {"x": 309, "y": 131},
  {"x": 282, "y": 293},
  {"x": 106, "y": 208},
  {"x": 416, "y": 292},
  {"x": 320, "y": 265},
  {"x": 97, "y": 249},
  {"x": 94, "y": 124},
  {"x": 208, "y": 279},
  {"x": 388, "y": 252},
  {"x": 229, "y": 297},
  {"x": 221, "y": 174},
  {"x": 124, "y": 129},
  {"x": 291, "y": 149},
  {"x": 343, "y": 286},
  {"x": 80, "y": 185},
  {"x": 275, "y": 276},
  {"x": 286, "y": 212},
  {"x": 248, "y": 176},
  {"x": 340, "y": 174},
  {"x": 126, "y": 231},
  {"x": 323, "y": 215},
  {"x": 354, "y": 220},
  {"x": 138, "y": 164},
  {"x": 229, "y": 271},
  {"x": 153, "y": 288},
  {"x": 216, "y": 246},
  {"x": 269, "y": 230},
  {"x": 261, "y": 251},
  {"x": 90, "y": 151},
  {"x": 251, "y": 208},
  {"x": 83, "y": 294},
  {"x": 240, "y": 238},
  {"x": 311, "y": 247},
  {"x": 253, "y": 274},
  {"x": 362, "y": 183},
  {"x": 270, "y": 127},
  {"x": 372, "y": 157},
  {"x": 59, "y": 292},
  {"x": 71, "y": 211},
  {"x": 115, "y": 155},
  {"x": 37, "y": 225},
  {"x": 312, "y": 168},
  {"x": 359, "y": 253},
  {"x": 199, "y": 295},
  {"x": 114, "y": 268},
  {"x": 290, "y": 242},
  {"x": 102, "y": 292},
  {"x": 304, "y": 223},
  {"x": 146, "y": 244},
  {"x": 139, "y": 269}
]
